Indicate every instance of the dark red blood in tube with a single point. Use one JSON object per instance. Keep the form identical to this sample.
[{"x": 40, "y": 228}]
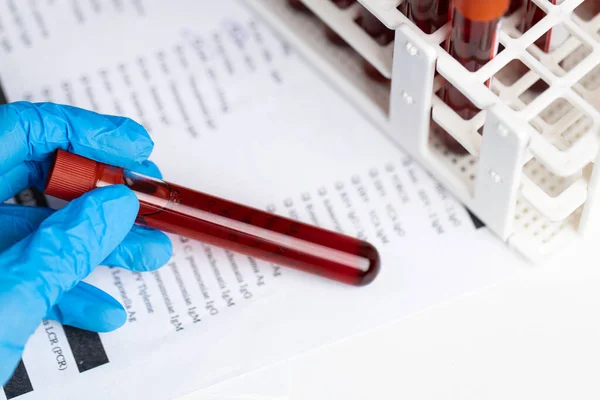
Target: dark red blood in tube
[
  {"x": 514, "y": 6},
  {"x": 334, "y": 37},
  {"x": 473, "y": 42},
  {"x": 429, "y": 15},
  {"x": 382, "y": 35},
  {"x": 298, "y": 5},
  {"x": 178, "y": 210},
  {"x": 343, "y": 3},
  {"x": 533, "y": 15},
  {"x": 330, "y": 33},
  {"x": 375, "y": 28}
]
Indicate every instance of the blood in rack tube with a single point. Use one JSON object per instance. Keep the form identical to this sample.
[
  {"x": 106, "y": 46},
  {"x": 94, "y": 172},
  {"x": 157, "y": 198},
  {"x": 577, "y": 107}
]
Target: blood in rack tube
[
  {"x": 533, "y": 15},
  {"x": 343, "y": 4},
  {"x": 429, "y": 15},
  {"x": 195, "y": 215},
  {"x": 382, "y": 35},
  {"x": 329, "y": 32},
  {"x": 374, "y": 27},
  {"x": 514, "y": 6},
  {"x": 473, "y": 42},
  {"x": 298, "y": 5}
]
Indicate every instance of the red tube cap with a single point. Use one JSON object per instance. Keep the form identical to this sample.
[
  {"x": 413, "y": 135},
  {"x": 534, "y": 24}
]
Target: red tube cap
[{"x": 70, "y": 176}]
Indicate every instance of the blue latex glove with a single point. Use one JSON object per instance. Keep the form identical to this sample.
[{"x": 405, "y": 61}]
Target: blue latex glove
[{"x": 44, "y": 255}]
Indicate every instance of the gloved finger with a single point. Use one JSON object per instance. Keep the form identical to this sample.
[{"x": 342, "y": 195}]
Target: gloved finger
[
  {"x": 29, "y": 173},
  {"x": 31, "y": 132},
  {"x": 67, "y": 246},
  {"x": 87, "y": 307},
  {"x": 18, "y": 178},
  {"x": 18, "y": 221},
  {"x": 143, "y": 249}
]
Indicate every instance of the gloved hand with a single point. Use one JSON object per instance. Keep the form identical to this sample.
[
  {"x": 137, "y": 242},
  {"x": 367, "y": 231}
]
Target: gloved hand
[{"x": 44, "y": 255}]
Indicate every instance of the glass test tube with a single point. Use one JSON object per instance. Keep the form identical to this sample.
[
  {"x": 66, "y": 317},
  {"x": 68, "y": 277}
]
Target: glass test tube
[
  {"x": 298, "y": 5},
  {"x": 533, "y": 15},
  {"x": 473, "y": 42},
  {"x": 429, "y": 15},
  {"x": 343, "y": 3},
  {"x": 514, "y": 6},
  {"x": 178, "y": 210},
  {"x": 375, "y": 28},
  {"x": 382, "y": 35},
  {"x": 330, "y": 33}
]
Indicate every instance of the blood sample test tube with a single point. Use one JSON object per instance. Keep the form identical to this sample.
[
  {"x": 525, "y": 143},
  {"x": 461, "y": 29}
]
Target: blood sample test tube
[
  {"x": 333, "y": 37},
  {"x": 298, "y": 5},
  {"x": 382, "y": 35},
  {"x": 343, "y": 3},
  {"x": 178, "y": 210},
  {"x": 375, "y": 28},
  {"x": 533, "y": 15},
  {"x": 429, "y": 15},
  {"x": 473, "y": 42},
  {"x": 514, "y": 6},
  {"x": 330, "y": 33}
]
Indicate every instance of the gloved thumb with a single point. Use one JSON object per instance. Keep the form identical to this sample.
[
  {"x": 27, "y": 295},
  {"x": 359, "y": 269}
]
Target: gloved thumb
[{"x": 39, "y": 269}]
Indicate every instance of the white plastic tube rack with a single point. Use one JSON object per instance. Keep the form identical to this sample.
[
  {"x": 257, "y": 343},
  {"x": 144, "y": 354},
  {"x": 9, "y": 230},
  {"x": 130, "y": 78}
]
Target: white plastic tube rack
[{"x": 532, "y": 176}]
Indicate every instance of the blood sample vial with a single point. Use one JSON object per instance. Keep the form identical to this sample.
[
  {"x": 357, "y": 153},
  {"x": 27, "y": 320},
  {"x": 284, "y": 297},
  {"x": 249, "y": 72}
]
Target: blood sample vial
[
  {"x": 382, "y": 35},
  {"x": 429, "y": 15},
  {"x": 333, "y": 37},
  {"x": 330, "y": 33},
  {"x": 473, "y": 42},
  {"x": 374, "y": 27},
  {"x": 514, "y": 6},
  {"x": 343, "y": 4},
  {"x": 298, "y": 5},
  {"x": 533, "y": 15},
  {"x": 178, "y": 210}
]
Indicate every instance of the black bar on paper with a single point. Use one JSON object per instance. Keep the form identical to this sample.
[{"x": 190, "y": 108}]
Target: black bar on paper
[
  {"x": 19, "y": 384},
  {"x": 476, "y": 221},
  {"x": 86, "y": 347},
  {"x": 3, "y": 99}
]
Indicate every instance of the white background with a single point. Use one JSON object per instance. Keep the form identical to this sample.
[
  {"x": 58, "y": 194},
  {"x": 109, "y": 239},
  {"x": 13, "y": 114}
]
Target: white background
[{"x": 533, "y": 337}]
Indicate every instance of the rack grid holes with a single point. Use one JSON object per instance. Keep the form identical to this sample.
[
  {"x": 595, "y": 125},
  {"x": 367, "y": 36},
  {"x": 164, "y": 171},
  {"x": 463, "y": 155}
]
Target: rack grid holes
[
  {"x": 532, "y": 92},
  {"x": 591, "y": 81},
  {"x": 574, "y": 58},
  {"x": 555, "y": 111},
  {"x": 529, "y": 222},
  {"x": 512, "y": 72},
  {"x": 577, "y": 129},
  {"x": 551, "y": 184},
  {"x": 561, "y": 123},
  {"x": 463, "y": 166},
  {"x": 587, "y": 10}
]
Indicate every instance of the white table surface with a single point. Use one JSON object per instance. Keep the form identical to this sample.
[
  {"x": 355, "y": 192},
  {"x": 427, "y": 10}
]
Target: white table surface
[{"x": 536, "y": 336}]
